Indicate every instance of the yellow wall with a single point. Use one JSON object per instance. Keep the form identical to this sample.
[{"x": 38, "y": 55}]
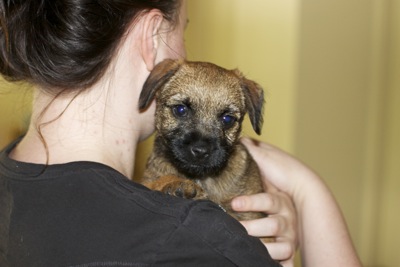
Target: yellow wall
[
  {"x": 333, "y": 93},
  {"x": 388, "y": 236},
  {"x": 14, "y": 111}
]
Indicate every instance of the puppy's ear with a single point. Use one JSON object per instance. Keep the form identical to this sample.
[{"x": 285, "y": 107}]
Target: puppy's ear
[
  {"x": 160, "y": 75},
  {"x": 254, "y": 101}
]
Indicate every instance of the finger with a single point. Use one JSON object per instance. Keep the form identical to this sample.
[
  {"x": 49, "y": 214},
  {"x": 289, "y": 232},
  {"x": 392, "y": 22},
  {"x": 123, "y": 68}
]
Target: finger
[
  {"x": 258, "y": 147},
  {"x": 265, "y": 227},
  {"x": 262, "y": 202},
  {"x": 252, "y": 142},
  {"x": 272, "y": 162},
  {"x": 281, "y": 251}
]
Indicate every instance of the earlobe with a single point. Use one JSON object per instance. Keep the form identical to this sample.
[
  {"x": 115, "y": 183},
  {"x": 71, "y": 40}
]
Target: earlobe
[{"x": 151, "y": 25}]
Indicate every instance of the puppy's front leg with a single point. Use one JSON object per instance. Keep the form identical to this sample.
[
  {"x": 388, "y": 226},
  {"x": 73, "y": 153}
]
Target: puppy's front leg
[{"x": 176, "y": 186}]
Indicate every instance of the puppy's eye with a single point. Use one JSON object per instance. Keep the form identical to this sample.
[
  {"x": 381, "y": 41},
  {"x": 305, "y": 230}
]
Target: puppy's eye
[
  {"x": 180, "y": 110},
  {"x": 228, "y": 120}
]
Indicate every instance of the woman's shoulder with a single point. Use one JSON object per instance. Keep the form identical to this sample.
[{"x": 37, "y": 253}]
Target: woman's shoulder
[
  {"x": 91, "y": 208},
  {"x": 196, "y": 227}
]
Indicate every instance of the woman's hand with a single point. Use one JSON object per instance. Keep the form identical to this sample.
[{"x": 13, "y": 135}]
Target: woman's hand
[
  {"x": 322, "y": 232},
  {"x": 280, "y": 223}
]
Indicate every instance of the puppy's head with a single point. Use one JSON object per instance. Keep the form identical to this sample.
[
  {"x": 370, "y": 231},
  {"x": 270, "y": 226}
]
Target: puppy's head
[{"x": 199, "y": 112}]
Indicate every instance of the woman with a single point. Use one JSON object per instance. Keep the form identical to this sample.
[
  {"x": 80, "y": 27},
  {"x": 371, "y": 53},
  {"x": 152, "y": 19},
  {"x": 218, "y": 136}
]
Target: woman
[{"x": 69, "y": 202}]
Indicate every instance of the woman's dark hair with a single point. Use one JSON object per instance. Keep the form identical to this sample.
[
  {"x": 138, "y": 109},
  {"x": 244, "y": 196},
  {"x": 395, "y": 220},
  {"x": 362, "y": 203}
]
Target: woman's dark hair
[{"x": 67, "y": 44}]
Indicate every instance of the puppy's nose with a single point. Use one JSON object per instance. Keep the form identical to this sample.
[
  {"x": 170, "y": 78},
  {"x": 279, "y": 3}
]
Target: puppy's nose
[{"x": 200, "y": 151}]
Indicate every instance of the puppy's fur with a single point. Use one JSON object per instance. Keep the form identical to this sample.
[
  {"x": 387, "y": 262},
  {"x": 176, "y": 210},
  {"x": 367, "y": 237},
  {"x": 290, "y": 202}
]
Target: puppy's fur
[{"x": 199, "y": 113}]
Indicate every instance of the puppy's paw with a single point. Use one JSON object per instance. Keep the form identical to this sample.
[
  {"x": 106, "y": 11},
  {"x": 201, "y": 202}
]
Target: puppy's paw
[{"x": 185, "y": 189}]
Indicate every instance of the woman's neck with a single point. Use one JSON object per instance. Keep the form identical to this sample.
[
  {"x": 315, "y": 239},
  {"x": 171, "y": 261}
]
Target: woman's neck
[{"x": 100, "y": 125}]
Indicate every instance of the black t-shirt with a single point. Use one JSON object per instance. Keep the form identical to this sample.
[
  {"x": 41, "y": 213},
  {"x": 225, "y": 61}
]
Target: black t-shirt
[{"x": 88, "y": 214}]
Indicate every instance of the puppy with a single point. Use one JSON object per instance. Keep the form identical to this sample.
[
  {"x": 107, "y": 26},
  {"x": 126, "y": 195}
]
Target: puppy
[{"x": 199, "y": 112}]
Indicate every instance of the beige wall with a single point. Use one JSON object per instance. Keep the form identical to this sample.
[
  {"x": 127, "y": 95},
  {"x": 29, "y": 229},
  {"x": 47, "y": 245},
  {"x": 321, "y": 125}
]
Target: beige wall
[
  {"x": 348, "y": 115},
  {"x": 388, "y": 234},
  {"x": 333, "y": 90},
  {"x": 14, "y": 110}
]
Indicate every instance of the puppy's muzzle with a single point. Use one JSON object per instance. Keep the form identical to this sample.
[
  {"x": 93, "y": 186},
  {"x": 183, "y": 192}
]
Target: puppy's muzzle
[
  {"x": 198, "y": 149},
  {"x": 197, "y": 155},
  {"x": 201, "y": 149}
]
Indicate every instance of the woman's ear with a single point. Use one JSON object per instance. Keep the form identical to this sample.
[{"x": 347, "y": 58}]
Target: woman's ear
[{"x": 149, "y": 41}]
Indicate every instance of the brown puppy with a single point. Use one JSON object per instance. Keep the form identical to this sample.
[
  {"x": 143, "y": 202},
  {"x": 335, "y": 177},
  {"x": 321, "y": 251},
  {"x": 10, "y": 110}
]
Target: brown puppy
[{"x": 199, "y": 113}]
